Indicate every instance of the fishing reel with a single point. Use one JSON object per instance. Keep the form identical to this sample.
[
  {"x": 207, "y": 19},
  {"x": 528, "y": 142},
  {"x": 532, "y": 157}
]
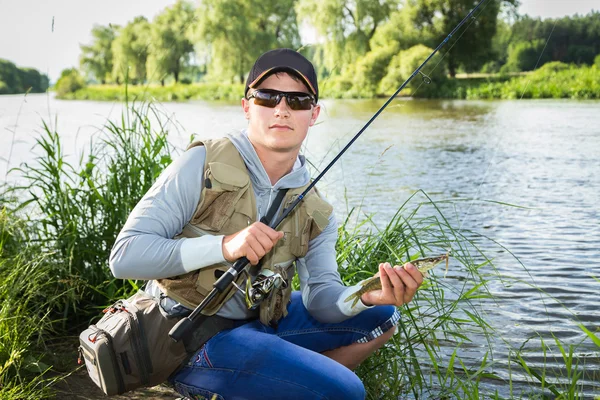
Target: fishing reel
[{"x": 262, "y": 287}]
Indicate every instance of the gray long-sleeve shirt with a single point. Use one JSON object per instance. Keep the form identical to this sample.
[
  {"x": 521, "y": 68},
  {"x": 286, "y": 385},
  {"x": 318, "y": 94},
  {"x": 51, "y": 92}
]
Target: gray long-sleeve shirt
[{"x": 144, "y": 249}]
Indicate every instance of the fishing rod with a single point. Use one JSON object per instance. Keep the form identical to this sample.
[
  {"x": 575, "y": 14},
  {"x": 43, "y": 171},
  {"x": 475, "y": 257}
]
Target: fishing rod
[{"x": 226, "y": 280}]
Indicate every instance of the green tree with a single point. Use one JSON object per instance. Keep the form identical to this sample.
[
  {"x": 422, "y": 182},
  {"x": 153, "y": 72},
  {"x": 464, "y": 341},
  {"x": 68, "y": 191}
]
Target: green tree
[
  {"x": 32, "y": 80},
  {"x": 9, "y": 74},
  {"x": 70, "y": 81},
  {"x": 525, "y": 56},
  {"x": 471, "y": 46},
  {"x": 130, "y": 51},
  {"x": 406, "y": 62},
  {"x": 233, "y": 33},
  {"x": 170, "y": 48},
  {"x": 573, "y": 39},
  {"x": 97, "y": 58},
  {"x": 346, "y": 25}
]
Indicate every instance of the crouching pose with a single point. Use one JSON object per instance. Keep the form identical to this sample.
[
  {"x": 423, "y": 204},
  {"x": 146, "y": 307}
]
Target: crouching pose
[{"x": 202, "y": 214}]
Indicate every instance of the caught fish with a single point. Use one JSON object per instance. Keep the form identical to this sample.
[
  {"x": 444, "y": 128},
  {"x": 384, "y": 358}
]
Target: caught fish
[{"x": 422, "y": 265}]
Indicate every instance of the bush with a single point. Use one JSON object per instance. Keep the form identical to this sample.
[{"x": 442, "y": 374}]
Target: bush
[
  {"x": 371, "y": 68},
  {"x": 69, "y": 82},
  {"x": 554, "y": 66},
  {"x": 491, "y": 67},
  {"x": 406, "y": 62},
  {"x": 597, "y": 61}
]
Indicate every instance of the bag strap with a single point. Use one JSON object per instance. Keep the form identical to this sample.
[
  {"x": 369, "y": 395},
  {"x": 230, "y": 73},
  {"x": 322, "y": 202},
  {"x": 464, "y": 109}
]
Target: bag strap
[{"x": 268, "y": 218}]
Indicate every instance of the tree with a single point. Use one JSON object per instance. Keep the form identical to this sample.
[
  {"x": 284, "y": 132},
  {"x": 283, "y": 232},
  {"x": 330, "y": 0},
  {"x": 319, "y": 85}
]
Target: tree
[
  {"x": 9, "y": 74},
  {"x": 70, "y": 81},
  {"x": 130, "y": 51},
  {"x": 32, "y": 80},
  {"x": 19, "y": 80},
  {"x": 233, "y": 33},
  {"x": 97, "y": 58},
  {"x": 471, "y": 46},
  {"x": 570, "y": 39},
  {"x": 347, "y": 26},
  {"x": 170, "y": 47}
]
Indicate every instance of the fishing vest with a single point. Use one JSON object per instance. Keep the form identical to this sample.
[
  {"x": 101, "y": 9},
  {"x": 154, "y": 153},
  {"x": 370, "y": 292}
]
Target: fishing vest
[{"x": 228, "y": 205}]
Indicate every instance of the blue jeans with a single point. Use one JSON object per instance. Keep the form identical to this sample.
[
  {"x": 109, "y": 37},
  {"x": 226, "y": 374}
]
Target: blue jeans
[{"x": 254, "y": 361}]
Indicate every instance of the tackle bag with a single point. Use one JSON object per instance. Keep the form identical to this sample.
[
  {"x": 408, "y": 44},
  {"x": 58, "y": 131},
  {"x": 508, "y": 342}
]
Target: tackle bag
[{"x": 130, "y": 346}]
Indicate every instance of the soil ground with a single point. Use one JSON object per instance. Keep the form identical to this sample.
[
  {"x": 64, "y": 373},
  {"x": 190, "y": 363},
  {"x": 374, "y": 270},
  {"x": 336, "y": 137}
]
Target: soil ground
[{"x": 78, "y": 385}]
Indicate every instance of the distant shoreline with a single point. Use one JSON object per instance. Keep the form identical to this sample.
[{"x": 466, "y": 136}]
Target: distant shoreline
[{"x": 552, "y": 81}]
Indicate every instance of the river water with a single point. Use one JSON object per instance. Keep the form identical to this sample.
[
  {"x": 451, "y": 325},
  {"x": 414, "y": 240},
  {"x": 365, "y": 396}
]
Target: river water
[{"x": 487, "y": 156}]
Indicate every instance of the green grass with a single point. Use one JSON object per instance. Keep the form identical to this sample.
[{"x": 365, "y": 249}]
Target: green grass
[
  {"x": 175, "y": 92},
  {"x": 551, "y": 81},
  {"x": 59, "y": 225}
]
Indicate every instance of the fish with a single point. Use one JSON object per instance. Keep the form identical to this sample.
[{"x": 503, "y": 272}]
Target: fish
[{"x": 422, "y": 264}]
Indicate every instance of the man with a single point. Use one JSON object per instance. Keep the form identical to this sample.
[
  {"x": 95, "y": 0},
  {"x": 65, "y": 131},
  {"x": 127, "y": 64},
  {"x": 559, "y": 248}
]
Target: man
[{"x": 201, "y": 214}]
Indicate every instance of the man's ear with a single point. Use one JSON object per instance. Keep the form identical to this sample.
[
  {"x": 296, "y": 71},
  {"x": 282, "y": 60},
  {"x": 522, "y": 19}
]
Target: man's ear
[
  {"x": 246, "y": 107},
  {"x": 315, "y": 115}
]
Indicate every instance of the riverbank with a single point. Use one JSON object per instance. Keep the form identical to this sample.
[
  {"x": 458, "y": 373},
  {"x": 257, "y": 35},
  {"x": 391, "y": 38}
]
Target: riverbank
[{"x": 551, "y": 81}]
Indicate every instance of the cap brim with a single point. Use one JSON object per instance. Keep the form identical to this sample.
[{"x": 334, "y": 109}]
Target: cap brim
[{"x": 275, "y": 69}]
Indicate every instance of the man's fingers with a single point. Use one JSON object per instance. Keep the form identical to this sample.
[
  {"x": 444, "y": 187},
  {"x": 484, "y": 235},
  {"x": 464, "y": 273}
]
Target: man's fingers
[
  {"x": 383, "y": 276},
  {"x": 252, "y": 243},
  {"x": 264, "y": 240},
  {"x": 398, "y": 285},
  {"x": 252, "y": 256},
  {"x": 270, "y": 232},
  {"x": 414, "y": 273}
]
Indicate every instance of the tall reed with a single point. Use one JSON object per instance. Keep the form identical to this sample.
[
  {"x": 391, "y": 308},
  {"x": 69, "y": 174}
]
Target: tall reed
[{"x": 76, "y": 211}]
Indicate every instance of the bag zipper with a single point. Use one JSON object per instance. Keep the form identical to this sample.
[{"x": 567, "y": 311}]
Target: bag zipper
[
  {"x": 134, "y": 337},
  {"x": 146, "y": 363}
]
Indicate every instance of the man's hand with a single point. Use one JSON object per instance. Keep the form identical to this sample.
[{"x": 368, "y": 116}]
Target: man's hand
[
  {"x": 252, "y": 242},
  {"x": 398, "y": 285}
]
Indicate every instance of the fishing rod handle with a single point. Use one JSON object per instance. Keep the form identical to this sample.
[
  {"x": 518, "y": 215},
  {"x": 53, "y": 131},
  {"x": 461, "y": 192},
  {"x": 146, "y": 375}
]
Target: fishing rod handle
[{"x": 183, "y": 327}]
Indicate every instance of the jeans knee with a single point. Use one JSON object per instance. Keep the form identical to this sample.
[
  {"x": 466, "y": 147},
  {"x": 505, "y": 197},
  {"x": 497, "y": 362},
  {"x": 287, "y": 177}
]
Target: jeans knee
[
  {"x": 386, "y": 312},
  {"x": 348, "y": 387}
]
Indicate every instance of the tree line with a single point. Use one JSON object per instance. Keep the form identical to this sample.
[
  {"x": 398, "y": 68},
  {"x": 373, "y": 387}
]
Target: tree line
[
  {"x": 361, "y": 43},
  {"x": 20, "y": 80}
]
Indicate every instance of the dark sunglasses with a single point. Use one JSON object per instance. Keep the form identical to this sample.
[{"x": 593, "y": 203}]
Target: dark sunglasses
[{"x": 270, "y": 98}]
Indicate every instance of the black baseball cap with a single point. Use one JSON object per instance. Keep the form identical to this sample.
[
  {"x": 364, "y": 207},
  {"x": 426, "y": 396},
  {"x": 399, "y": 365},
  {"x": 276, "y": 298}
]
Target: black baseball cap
[{"x": 286, "y": 60}]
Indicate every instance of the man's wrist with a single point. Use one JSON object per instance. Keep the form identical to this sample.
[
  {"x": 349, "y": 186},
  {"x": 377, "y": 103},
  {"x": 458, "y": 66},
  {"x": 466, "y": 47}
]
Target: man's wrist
[{"x": 365, "y": 303}]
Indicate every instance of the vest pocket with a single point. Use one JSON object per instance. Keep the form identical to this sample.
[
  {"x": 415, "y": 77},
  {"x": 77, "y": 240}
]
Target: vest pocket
[
  {"x": 219, "y": 204},
  {"x": 224, "y": 185}
]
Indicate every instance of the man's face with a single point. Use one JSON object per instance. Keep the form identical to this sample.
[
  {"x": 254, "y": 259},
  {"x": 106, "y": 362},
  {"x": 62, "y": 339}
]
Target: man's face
[{"x": 279, "y": 129}]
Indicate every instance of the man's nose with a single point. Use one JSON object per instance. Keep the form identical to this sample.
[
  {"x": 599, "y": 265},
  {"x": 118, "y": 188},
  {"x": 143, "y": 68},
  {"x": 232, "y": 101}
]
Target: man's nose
[{"x": 282, "y": 108}]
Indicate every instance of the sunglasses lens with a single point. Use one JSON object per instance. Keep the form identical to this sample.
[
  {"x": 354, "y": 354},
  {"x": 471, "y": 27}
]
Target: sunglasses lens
[
  {"x": 265, "y": 99},
  {"x": 296, "y": 101},
  {"x": 299, "y": 101}
]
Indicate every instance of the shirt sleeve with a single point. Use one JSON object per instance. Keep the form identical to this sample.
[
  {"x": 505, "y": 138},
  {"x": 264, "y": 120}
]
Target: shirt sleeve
[
  {"x": 323, "y": 292},
  {"x": 145, "y": 248}
]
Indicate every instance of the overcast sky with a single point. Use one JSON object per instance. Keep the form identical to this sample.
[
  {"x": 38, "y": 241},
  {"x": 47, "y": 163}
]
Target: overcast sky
[{"x": 46, "y": 34}]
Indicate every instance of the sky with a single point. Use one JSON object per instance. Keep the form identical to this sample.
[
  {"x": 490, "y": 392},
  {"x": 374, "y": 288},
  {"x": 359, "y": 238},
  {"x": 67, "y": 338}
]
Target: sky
[{"x": 46, "y": 34}]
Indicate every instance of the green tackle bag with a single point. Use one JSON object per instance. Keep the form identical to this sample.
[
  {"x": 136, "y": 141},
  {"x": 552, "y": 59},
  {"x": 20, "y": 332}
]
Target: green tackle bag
[{"x": 130, "y": 346}]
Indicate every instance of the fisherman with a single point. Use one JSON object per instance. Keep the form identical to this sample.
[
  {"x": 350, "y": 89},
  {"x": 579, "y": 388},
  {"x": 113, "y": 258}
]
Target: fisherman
[{"x": 202, "y": 214}]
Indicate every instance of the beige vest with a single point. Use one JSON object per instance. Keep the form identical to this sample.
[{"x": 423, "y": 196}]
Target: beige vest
[{"x": 228, "y": 205}]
